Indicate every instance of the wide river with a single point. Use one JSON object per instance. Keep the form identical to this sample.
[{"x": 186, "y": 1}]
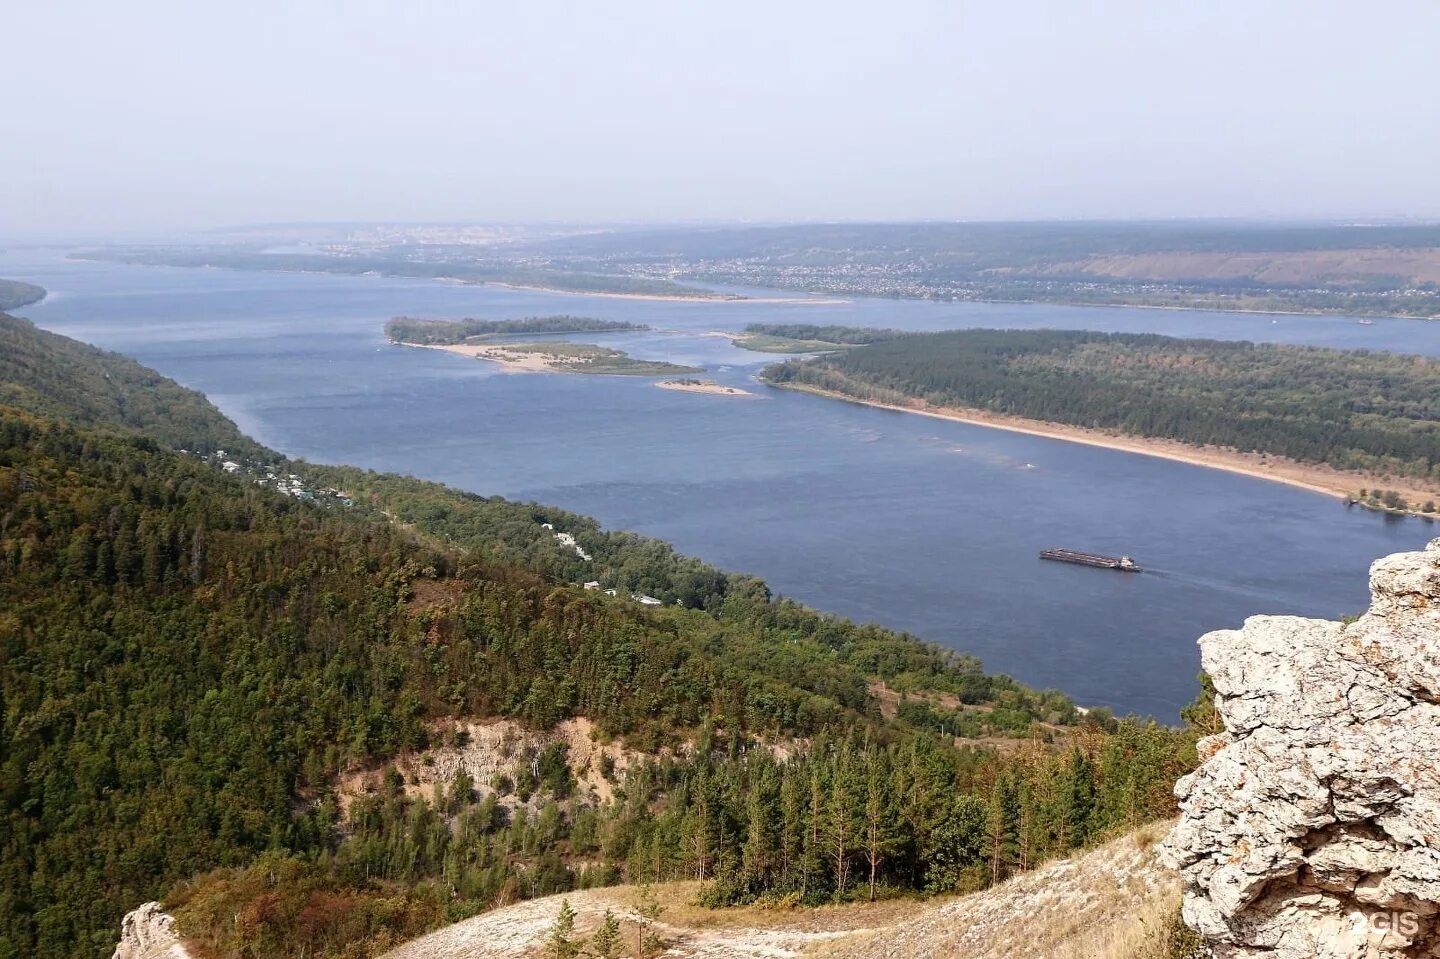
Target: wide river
[{"x": 919, "y": 524}]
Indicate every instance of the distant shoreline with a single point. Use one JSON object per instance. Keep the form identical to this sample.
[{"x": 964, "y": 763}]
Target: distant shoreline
[
  {"x": 17, "y": 294},
  {"x": 1324, "y": 480},
  {"x": 1031, "y": 301},
  {"x": 1220, "y": 309},
  {"x": 698, "y": 297}
]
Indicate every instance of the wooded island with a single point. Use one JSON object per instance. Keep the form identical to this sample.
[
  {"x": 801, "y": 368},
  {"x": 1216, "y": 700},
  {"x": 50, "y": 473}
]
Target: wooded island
[{"x": 1370, "y": 418}]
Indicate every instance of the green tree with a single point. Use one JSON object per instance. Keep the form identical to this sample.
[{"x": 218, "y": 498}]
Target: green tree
[
  {"x": 955, "y": 853},
  {"x": 1078, "y": 799},
  {"x": 761, "y": 841},
  {"x": 560, "y": 942},
  {"x": 649, "y": 942},
  {"x": 1004, "y": 827},
  {"x": 879, "y": 823},
  {"x": 606, "y": 942}
]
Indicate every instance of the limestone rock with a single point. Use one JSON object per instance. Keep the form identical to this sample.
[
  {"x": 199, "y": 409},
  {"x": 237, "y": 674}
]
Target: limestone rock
[
  {"x": 149, "y": 933},
  {"x": 1311, "y": 829}
]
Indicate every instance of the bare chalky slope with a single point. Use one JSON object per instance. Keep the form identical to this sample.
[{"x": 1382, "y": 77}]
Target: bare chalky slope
[
  {"x": 688, "y": 931},
  {"x": 1105, "y": 904},
  {"x": 1111, "y": 903}
]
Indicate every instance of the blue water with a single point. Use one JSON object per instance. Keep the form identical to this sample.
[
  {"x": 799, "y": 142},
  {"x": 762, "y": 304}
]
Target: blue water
[{"x": 919, "y": 524}]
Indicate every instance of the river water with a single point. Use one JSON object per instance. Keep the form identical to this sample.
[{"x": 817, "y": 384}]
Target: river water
[{"x": 919, "y": 524}]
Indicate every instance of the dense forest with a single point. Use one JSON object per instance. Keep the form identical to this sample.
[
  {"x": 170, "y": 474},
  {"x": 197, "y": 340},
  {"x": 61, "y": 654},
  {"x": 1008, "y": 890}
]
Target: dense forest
[
  {"x": 808, "y": 337},
  {"x": 189, "y": 659},
  {"x": 840, "y": 335},
  {"x": 14, "y": 294},
  {"x": 1368, "y": 412},
  {"x": 405, "y": 329}
]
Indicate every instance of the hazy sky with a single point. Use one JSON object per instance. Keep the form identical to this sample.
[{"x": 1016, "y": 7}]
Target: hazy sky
[{"x": 153, "y": 114}]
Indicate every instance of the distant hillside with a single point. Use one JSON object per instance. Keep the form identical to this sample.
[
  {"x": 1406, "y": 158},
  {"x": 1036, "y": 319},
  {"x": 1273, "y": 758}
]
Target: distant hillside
[
  {"x": 981, "y": 245},
  {"x": 1387, "y": 269},
  {"x": 14, "y": 294}
]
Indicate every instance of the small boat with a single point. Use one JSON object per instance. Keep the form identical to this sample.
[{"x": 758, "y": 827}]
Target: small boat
[
  {"x": 1366, "y": 322},
  {"x": 1124, "y": 563}
]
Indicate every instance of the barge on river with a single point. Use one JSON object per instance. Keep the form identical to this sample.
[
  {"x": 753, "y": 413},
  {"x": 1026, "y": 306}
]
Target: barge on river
[{"x": 1091, "y": 559}]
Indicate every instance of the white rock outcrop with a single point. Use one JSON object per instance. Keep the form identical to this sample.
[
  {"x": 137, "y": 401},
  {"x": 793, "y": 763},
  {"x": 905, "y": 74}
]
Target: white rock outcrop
[
  {"x": 149, "y": 933},
  {"x": 1311, "y": 829}
]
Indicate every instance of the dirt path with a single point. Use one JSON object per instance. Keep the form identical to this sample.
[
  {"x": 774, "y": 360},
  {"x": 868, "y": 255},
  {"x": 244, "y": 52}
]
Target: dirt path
[{"x": 690, "y": 931}]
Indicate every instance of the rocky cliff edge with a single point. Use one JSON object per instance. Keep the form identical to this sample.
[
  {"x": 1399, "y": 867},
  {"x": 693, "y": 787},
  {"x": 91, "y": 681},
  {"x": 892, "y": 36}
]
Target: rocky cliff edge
[{"x": 1311, "y": 829}]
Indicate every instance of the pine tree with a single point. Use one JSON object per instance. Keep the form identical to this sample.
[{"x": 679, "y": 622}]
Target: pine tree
[
  {"x": 792, "y": 829},
  {"x": 1004, "y": 827},
  {"x": 698, "y": 825},
  {"x": 1079, "y": 799},
  {"x": 606, "y": 944},
  {"x": 559, "y": 944},
  {"x": 843, "y": 815},
  {"x": 757, "y": 857},
  {"x": 648, "y": 942},
  {"x": 879, "y": 814},
  {"x": 812, "y": 857}
]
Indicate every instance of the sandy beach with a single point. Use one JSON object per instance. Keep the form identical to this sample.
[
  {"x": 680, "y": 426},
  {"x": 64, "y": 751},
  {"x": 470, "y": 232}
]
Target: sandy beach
[
  {"x": 511, "y": 361},
  {"x": 559, "y": 357},
  {"x": 703, "y": 386},
  {"x": 1306, "y": 476}
]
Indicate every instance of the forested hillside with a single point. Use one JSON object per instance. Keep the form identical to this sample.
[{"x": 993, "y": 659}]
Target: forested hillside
[
  {"x": 1368, "y": 412},
  {"x": 14, "y": 294},
  {"x": 189, "y": 660},
  {"x": 84, "y": 386}
]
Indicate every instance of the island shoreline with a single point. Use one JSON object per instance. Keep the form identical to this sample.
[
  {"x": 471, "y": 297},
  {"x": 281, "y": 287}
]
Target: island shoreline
[
  {"x": 511, "y": 360},
  {"x": 706, "y": 387},
  {"x": 1322, "y": 480}
]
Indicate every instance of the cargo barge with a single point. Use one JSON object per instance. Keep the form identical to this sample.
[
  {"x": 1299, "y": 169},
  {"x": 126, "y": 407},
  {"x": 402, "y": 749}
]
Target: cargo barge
[{"x": 1090, "y": 559}]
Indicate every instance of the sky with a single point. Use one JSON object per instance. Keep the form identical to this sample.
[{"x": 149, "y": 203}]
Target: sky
[{"x": 150, "y": 115}]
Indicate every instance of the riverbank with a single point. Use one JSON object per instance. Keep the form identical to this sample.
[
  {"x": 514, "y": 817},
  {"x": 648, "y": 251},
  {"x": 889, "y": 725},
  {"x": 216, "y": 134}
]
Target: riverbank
[
  {"x": 1315, "y": 479},
  {"x": 698, "y": 297}
]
